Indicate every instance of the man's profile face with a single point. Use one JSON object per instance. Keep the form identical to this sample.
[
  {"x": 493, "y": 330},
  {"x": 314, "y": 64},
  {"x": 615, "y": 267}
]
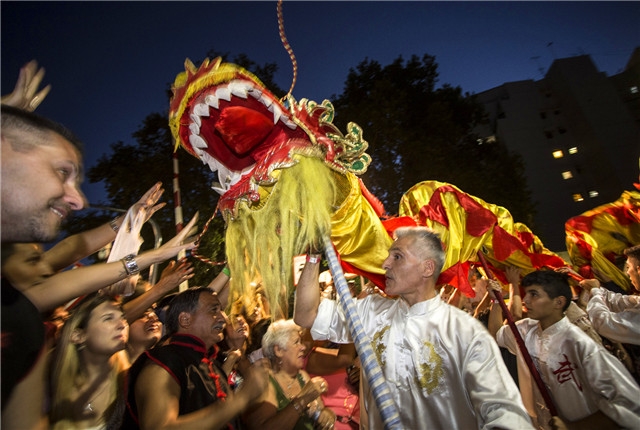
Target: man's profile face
[
  {"x": 402, "y": 268},
  {"x": 40, "y": 188},
  {"x": 633, "y": 270},
  {"x": 208, "y": 320}
]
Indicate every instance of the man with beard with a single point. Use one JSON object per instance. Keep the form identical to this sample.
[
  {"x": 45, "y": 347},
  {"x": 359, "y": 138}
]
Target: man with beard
[{"x": 41, "y": 172}]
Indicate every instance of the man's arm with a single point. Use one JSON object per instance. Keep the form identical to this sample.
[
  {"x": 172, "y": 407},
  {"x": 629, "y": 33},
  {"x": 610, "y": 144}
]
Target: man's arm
[
  {"x": 78, "y": 246},
  {"x": 307, "y": 293},
  {"x": 595, "y": 421},
  {"x": 220, "y": 285},
  {"x": 173, "y": 275},
  {"x": 64, "y": 286},
  {"x": 157, "y": 396}
]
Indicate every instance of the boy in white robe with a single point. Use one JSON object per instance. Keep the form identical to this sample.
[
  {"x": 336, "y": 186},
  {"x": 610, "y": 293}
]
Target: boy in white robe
[{"x": 590, "y": 388}]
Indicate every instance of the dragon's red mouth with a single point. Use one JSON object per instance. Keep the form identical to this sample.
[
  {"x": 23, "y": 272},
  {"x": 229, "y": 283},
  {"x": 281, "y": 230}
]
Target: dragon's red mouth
[{"x": 229, "y": 127}]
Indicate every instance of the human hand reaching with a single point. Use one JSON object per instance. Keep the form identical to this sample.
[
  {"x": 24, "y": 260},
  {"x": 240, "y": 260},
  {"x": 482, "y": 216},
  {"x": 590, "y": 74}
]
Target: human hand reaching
[
  {"x": 24, "y": 95},
  {"x": 147, "y": 203}
]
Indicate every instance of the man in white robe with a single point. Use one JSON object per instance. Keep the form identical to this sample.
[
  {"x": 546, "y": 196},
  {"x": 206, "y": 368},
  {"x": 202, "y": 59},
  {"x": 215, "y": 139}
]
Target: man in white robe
[{"x": 442, "y": 367}]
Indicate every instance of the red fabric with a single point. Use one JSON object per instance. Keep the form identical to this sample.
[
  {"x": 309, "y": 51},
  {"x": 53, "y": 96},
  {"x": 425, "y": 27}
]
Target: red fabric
[
  {"x": 391, "y": 224},
  {"x": 505, "y": 244},
  {"x": 377, "y": 279},
  {"x": 581, "y": 223},
  {"x": 622, "y": 214},
  {"x": 458, "y": 276},
  {"x": 526, "y": 238},
  {"x": 479, "y": 219},
  {"x": 376, "y": 204},
  {"x": 243, "y": 128}
]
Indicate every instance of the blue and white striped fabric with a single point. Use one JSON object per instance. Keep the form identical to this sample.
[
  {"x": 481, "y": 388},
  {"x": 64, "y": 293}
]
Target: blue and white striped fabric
[{"x": 372, "y": 370}]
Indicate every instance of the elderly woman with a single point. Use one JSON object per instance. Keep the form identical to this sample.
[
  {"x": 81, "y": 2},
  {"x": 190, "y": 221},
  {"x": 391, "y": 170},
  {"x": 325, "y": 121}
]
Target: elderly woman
[{"x": 292, "y": 400}]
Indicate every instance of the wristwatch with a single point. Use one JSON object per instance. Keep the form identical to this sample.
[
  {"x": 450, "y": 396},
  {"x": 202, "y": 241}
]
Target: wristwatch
[{"x": 130, "y": 265}]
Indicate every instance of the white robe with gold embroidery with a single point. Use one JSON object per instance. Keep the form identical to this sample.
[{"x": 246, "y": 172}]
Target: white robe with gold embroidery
[{"x": 443, "y": 368}]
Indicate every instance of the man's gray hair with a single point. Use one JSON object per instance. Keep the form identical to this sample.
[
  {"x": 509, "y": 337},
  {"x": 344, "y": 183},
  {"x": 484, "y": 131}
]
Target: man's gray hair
[{"x": 427, "y": 244}]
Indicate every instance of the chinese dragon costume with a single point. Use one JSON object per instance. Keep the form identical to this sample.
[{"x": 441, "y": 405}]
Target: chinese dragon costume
[{"x": 288, "y": 177}]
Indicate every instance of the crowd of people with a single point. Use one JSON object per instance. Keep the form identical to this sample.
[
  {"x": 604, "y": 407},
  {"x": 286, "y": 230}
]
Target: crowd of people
[{"x": 78, "y": 354}]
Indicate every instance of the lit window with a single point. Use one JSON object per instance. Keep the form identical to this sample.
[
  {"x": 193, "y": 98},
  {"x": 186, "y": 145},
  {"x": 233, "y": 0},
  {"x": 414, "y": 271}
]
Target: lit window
[
  {"x": 577, "y": 198},
  {"x": 558, "y": 154},
  {"x": 634, "y": 89},
  {"x": 567, "y": 175},
  {"x": 593, "y": 193},
  {"x": 573, "y": 150}
]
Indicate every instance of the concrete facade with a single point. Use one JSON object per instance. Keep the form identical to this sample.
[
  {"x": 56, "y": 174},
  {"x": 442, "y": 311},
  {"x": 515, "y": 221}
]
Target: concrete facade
[{"x": 578, "y": 132}]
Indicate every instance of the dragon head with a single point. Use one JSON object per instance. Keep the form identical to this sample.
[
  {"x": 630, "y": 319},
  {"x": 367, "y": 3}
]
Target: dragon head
[{"x": 223, "y": 115}]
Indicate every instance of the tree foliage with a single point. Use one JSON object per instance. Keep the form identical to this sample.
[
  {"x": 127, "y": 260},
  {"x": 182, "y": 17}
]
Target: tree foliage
[{"x": 417, "y": 131}]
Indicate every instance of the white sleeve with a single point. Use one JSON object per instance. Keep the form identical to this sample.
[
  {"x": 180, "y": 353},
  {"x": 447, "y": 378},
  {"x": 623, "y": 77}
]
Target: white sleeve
[{"x": 622, "y": 326}]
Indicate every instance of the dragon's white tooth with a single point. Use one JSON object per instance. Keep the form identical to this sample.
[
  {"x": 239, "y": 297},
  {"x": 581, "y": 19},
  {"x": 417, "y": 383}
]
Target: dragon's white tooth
[
  {"x": 201, "y": 109},
  {"x": 211, "y": 100},
  {"x": 195, "y": 118},
  {"x": 277, "y": 112},
  {"x": 194, "y": 128},
  {"x": 213, "y": 164},
  {"x": 292, "y": 125},
  {"x": 238, "y": 89},
  {"x": 255, "y": 93},
  {"x": 267, "y": 101},
  {"x": 224, "y": 93},
  {"x": 197, "y": 141}
]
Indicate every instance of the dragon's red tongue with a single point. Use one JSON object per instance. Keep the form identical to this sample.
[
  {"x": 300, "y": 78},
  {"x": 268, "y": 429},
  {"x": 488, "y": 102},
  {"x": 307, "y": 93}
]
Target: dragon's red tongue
[{"x": 243, "y": 128}]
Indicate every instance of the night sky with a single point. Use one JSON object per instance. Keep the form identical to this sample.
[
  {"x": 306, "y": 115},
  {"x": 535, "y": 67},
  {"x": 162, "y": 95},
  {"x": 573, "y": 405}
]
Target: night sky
[{"x": 110, "y": 63}]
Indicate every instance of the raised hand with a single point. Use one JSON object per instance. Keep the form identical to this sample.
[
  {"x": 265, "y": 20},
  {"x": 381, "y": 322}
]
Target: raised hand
[{"x": 24, "y": 94}]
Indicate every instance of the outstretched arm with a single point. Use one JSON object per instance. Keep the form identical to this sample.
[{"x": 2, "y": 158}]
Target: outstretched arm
[
  {"x": 67, "y": 285},
  {"x": 173, "y": 275},
  {"x": 308, "y": 293},
  {"x": 220, "y": 285},
  {"x": 78, "y": 246}
]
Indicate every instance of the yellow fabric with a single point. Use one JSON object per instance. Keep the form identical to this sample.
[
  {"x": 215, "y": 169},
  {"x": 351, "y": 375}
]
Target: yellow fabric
[
  {"x": 357, "y": 233},
  {"x": 460, "y": 245},
  {"x": 607, "y": 237}
]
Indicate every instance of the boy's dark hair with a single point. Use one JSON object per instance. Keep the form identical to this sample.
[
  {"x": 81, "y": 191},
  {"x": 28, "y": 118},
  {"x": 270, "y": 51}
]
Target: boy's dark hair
[
  {"x": 20, "y": 119},
  {"x": 555, "y": 284},
  {"x": 633, "y": 252},
  {"x": 186, "y": 301}
]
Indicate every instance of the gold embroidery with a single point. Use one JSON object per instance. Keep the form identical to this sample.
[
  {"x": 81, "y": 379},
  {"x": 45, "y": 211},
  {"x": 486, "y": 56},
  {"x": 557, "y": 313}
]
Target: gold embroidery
[
  {"x": 378, "y": 346},
  {"x": 431, "y": 371}
]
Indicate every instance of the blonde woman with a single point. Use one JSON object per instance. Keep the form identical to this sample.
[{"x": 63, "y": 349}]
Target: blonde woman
[{"x": 88, "y": 367}]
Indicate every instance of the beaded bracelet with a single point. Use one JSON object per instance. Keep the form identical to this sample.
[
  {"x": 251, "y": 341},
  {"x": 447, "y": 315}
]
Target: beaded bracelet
[
  {"x": 226, "y": 271},
  {"x": 114, "y": 224}
]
